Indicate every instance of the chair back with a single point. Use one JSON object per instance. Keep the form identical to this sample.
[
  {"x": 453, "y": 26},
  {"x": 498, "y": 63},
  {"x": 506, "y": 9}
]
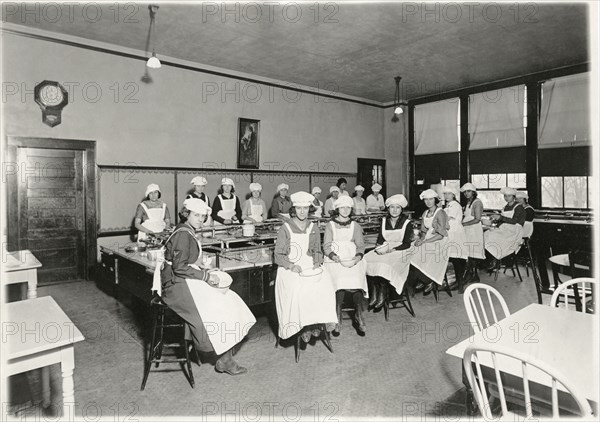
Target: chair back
[
  {"x": 580, "y": 290},
  {"x": 483, "y": 304},
  {"x": 497, "y": 359},
  {"x": 581, "y": 263}
]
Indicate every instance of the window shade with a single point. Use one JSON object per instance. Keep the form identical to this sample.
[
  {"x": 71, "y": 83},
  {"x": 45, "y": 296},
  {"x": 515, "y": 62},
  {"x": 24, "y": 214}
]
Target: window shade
[
  {"x": 436, "y": 127},
  {"x": 565, "y": 112},
  {"x": 496, "y": 118}
]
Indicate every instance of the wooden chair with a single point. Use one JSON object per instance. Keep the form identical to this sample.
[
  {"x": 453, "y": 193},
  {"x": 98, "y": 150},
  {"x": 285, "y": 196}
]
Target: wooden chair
[
  {"x": 155, "y": 354},
  {"x": 579, "y": 291},
  {"x": 563, "y": 395},
  {"x": 525, "y": 257},
  {"x": 394, "y": 299},
  {"x": 482, "y": 312},
  {"x": 326, "y": 339}
]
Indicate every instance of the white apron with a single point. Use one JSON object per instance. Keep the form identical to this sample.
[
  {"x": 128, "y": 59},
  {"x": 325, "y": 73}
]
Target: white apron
[
  {"x": 473, "y": 234},
  {"x": 318, "y": 209},
  {"x": 456, "y": 232},
  {"x": 256, "y": 212},
  {"x": 345, "y": 278},
  {"x": 375, "y": 203},
  {"x": 226, "y": 317},
  {"x": 505, "y": 239},
  {"x": 360, "y": 206},
  {"x": 528, "y": 226},
  {"x": 392, "y": 266},
  {"x": 155, "y": 221},
  {"x": 431, "y": 258},
  {"x": 302, "y": 301},
  {"x": 227, "y": 209}
]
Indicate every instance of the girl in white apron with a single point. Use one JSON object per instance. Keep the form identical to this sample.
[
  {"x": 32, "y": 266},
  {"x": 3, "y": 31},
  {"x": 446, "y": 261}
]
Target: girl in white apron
[
  {"x": 317, "y": 204},
  {"x": 375, "y": 202},
  {"x": 473, "y": 232},
  {"x": 344, "y": 247},
  {"x": 529, "y": 213},
  {"x": 457, "y": 253},
  {"x": 304, "y": 294},
  {"x": 506, "y": 238},
  {"x": 255, "y": 209},
  {"x": 152, "y": 215},
  {"x": 430, "y": 256},
  {"x": 226, "y": 206},
  {"x": 217, "y": 321},
  {"x": 393, "y": 264},
  {"x": 359, "y": 205}
]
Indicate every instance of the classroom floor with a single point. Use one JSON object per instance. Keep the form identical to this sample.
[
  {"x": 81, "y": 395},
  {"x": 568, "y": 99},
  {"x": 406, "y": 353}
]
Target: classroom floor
[{"x": 399, "y": 369}]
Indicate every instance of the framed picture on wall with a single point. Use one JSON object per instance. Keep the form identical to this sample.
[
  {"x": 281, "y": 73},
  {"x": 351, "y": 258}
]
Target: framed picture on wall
[{"x": 248, "y": 137}]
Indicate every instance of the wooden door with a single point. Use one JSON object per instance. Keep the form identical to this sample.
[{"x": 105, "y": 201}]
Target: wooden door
[
  {"x": 371, "y": 171},
  {"x": 52, "y": 206}
]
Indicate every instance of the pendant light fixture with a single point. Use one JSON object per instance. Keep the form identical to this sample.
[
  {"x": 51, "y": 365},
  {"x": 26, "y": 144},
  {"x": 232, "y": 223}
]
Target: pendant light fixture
[
  {"x": 153, "y": 62},
  {"x": 397, "y": 104}
]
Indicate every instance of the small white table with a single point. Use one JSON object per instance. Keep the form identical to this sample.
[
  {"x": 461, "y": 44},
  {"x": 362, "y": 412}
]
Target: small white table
[
  {"x": 37, "y": 333},
  {"x": 565, "y": 340},
  {"x": 21, "y": 267}
]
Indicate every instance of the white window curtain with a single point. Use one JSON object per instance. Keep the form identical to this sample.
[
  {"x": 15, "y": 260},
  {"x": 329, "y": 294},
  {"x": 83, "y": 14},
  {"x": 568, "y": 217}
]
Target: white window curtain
[
  {"x": 436, "y": 127},
  {"x": 565, "y": 112},
  {"x": 497, "y": 118}
]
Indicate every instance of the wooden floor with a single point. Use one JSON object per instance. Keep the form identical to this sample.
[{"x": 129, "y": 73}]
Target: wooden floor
[{"x": 399, "y": 369}]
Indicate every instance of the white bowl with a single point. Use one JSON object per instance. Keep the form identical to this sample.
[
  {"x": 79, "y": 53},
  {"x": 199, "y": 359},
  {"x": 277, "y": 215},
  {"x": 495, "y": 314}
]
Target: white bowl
[
  {"x": 312, "y": 273},
  {"x": 248, "y": 229},
  {"x": 383, "y": 248},
  {"x": 486, "y": 221},
  {"x": 225, "y": 281},
  {"x": 348, "y": 263}
]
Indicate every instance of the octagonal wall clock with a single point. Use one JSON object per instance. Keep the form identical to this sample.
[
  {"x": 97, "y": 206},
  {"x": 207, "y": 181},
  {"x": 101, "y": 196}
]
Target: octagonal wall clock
[{"x": 52, "y": 98}]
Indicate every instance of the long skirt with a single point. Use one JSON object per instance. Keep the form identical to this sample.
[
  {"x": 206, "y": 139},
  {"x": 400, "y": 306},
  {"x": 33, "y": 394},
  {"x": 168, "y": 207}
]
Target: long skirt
[{"x": 392, "y": 266}]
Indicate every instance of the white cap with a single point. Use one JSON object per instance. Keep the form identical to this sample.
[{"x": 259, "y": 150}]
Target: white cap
[
  {"x": 508, "y": 191},
  {"x": 397, "y": 199},
  {"x": 283, "y": 186},
  {"x": 522, "y": 194},
  {"x": 197, "y": 205},
  {"x": 334, "y": 189},
  {"x": 376, "y": 187},
  {"x": 428, "y": 194},
  {"x": 227, "y": 181},
  {"x": 468, "y": 186},
  {"x": 359, "y": 187},
  {"x": 302, "y": 199},
  {"x": 255, "y": 186},
  {"x": 316, "y": 189},
  {"x": 343, "y": 201},
  {"x": 451, "y": 190},
  {"x": 151, "y": 188},
  {"x": 199, "y": 181}
]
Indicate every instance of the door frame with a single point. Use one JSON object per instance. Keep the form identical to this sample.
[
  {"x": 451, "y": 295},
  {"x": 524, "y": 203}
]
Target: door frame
[
  {"x": 380, "y": 161},
  {"x": 90, "y": 177}
]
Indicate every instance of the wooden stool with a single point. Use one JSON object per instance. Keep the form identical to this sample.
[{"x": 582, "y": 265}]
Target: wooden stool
[{"x": 155, "y": 354}]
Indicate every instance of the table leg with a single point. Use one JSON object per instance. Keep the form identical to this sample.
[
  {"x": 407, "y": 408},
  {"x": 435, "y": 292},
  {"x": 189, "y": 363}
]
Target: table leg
[
  {"x": 67, "y": 366},
  {"x": 46, "y": 395},
  {"x": 32, "y": 286}
]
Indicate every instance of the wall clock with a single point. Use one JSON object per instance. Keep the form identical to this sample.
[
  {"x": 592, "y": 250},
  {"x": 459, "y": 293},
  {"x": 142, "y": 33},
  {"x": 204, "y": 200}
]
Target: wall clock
[{"x": 52, "y": 98}]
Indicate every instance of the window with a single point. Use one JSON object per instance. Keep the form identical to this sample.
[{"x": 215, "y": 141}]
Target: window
[
  {"x": 489, "y": 185},
  {"x": 566, "y": 192}
]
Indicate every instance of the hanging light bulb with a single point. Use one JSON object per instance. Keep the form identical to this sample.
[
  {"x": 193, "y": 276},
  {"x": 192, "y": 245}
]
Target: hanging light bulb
[
  {"x": 153, "y": 62},
  {"x": 397, "y": 106},
  {"x": 398, "y": 110}
]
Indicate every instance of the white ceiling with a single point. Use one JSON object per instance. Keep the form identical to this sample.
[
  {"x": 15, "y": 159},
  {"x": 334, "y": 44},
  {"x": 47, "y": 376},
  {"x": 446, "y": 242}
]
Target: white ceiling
[{"x": 351, "y": 48}]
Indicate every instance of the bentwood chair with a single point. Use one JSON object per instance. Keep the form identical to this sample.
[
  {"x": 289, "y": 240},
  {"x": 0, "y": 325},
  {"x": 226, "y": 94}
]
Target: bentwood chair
[
  {"x": 557, "y": 397},
  {"x": 159, "y": 341},
  {"x": 580, "y": 291}
]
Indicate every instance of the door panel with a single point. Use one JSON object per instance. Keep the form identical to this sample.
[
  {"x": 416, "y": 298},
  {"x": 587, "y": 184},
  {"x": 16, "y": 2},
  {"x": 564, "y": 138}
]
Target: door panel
[{"x": 370, "y": 171}]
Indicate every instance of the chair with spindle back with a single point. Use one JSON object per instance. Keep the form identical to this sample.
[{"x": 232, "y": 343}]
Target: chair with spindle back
[
  {"x": 478, "y": 308},
  {"x": 559, "y": 395},
  {"x": 580, "y": 291}
]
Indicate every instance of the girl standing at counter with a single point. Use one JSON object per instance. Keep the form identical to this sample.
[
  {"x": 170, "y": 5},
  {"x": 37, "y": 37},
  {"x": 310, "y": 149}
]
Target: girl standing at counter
[
  {"x": 343, "y": 242},
  {"x": 359, "y": 205},
  {"x": 472, "y": 213},
  {"x": 189, "y": 291},
  {"x": 226, "y": 206},
  {"x": 505, "y": 239},
  {"x": 199, "y": 183},
  {"x": 430, "y": 256},
  {"x": 375, "y": 201},
  {"x": 281, "y": 203},
  {"x": 329, "y": 208},
  {"x": 391, "y": 263},
  {"x": 457, "y": 252},
  {"x": 302, "y": 300},
  {"x": 152, "y": 214},
  {"x": 341, "y": 184},
  {"x": 317, "y": 204},
  {"x": 255, "y": 209}
]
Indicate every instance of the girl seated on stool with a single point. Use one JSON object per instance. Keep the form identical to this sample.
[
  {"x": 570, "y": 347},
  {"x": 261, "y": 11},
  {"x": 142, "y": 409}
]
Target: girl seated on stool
[
  {"x": 344, "y": 242},
  {"x": 302, "y": 301},
  {"x": 430, "y": 256},
  {"x": 393, "y": 264}
]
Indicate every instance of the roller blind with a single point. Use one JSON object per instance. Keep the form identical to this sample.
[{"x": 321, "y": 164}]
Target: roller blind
[
  {"x": 436, "y": 127},
  {"x": 565, "y": 112},
  {"x": 497, "y": 118}
]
